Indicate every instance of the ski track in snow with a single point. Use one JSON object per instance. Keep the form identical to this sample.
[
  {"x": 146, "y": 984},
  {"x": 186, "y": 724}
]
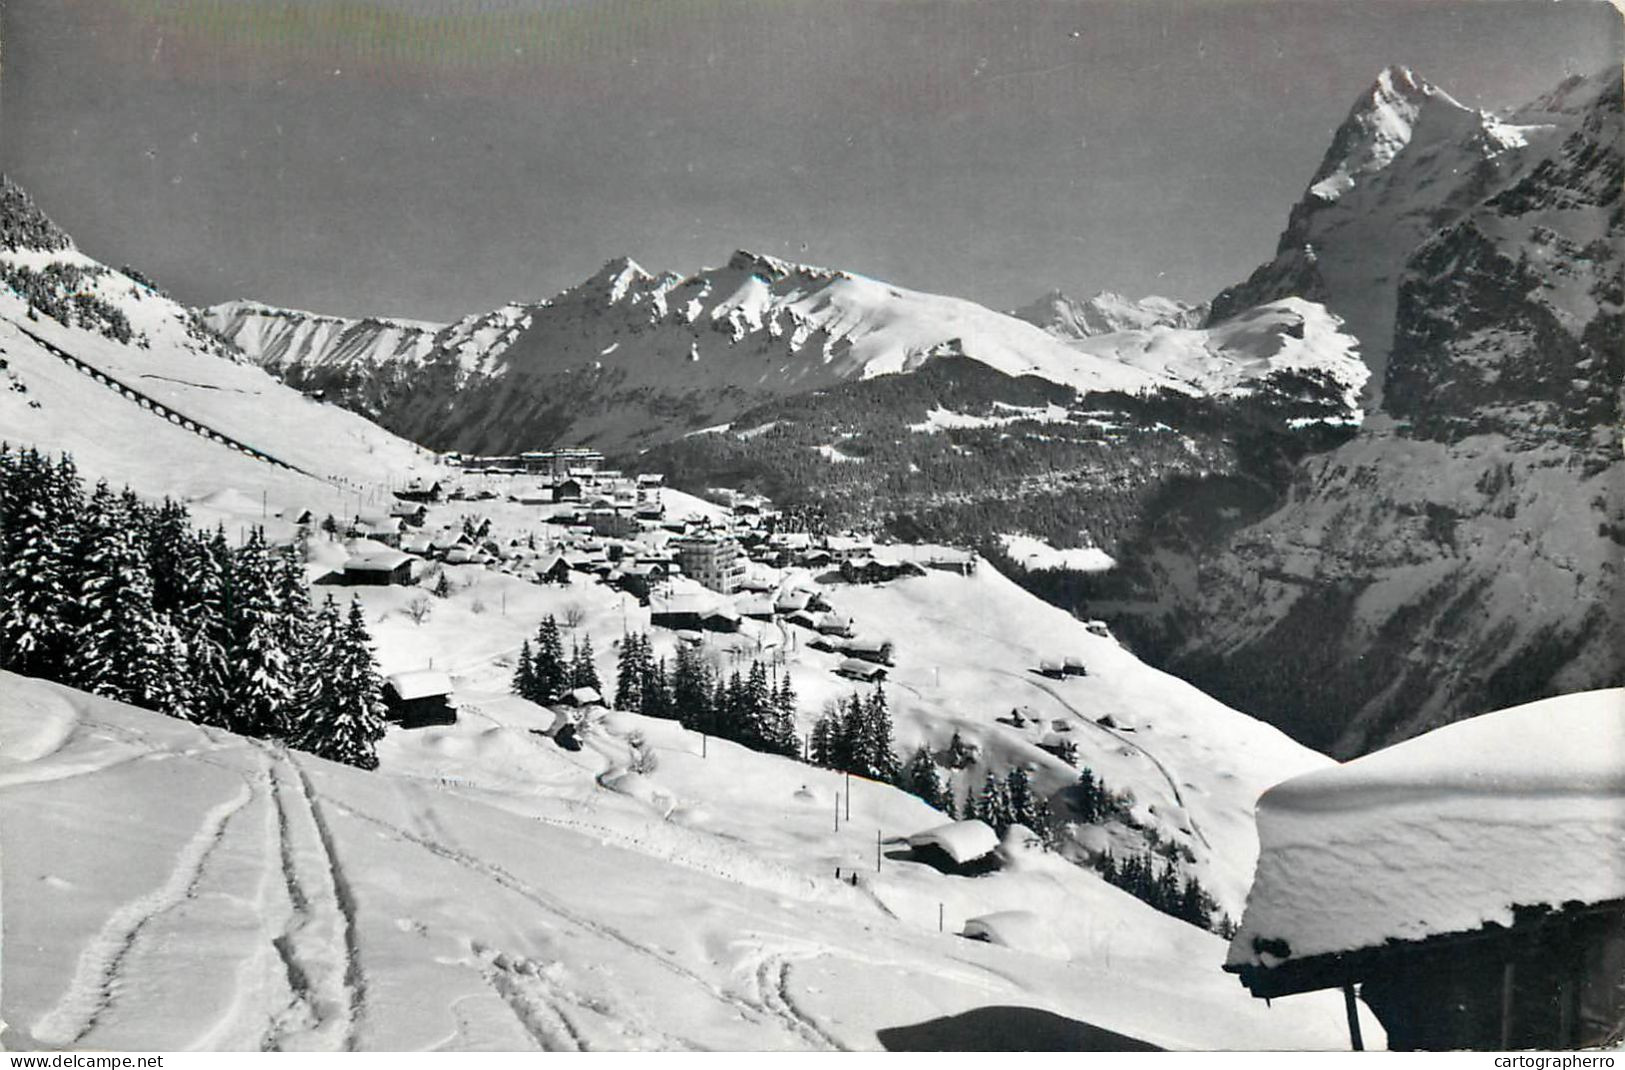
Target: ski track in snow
[
  {"x": 773, "y": 992},
  {"x": 318, "y": 932},
  {"x": 355, "y": 983},
  {"x": 495, "y": 873},
  {"x": 95, "y": 980}
]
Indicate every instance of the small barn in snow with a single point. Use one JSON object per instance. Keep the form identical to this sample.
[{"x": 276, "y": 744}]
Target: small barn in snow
[
  {"x": 378, "y": 569},
  {"x": 866, "y": 672},
  {"x": 961, "y": 847},
  {"x": 419, "y": 699}
]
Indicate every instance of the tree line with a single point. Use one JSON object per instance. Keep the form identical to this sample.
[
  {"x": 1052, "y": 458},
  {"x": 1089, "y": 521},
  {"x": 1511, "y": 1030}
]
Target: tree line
[
  {"x": 756, "y": 708},
  {"x": 126, "y": 600}
]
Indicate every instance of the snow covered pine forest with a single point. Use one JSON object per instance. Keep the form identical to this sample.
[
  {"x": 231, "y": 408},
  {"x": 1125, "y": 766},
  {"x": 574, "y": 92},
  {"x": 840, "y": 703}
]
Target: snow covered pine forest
[{"x": 337, "y": 714}]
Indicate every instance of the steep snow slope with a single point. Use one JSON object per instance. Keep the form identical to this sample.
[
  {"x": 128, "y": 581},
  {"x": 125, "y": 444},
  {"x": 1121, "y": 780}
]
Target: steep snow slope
[
  {"x": 1292, "y": 346},
  {"x": 175, "y": 887},
  {"x": 1107, "y": 313},
  {"x": 1408, "y": 160},
  {"x": 282, "y": 336},
  {"x": 55, "y": 405}
]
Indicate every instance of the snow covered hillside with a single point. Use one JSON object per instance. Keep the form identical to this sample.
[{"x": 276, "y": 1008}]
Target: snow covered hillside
[
  {"x": 282, "y": 336},
  {"x": 628, "y": 357},
  {"x": 170, "y": 410},
  {"x": 1291, "y": 347},
  {"x": 176, "y": 887},
  {"x": 170, "y": 885}
]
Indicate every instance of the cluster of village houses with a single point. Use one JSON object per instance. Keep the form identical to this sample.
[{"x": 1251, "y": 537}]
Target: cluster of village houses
[{"x": 696, "y": 574}]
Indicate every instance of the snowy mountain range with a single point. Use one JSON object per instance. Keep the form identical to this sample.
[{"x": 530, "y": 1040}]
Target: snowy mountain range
[
  {"x": 1107, "y": 313},
  {"x": 628, "y": 357},
  {"x": 1461, "y": 552}
]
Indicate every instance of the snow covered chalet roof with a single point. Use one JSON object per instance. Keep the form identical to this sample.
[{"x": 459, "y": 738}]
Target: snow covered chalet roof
[
  {"x": 1442, "y": 833},
  {"x": 420, "y": 683},
  {"x": 963, "y": 841},
  {"x": 381, "y": 561}
]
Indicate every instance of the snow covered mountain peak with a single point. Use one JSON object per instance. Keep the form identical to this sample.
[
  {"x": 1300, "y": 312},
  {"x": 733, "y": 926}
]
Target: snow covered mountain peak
[
  {"x": 774, "y": 268},
  {"x": 1381, "y": 124},
  {"x": 1107, "y": 312},
  {"x": 610, "y": 284}
]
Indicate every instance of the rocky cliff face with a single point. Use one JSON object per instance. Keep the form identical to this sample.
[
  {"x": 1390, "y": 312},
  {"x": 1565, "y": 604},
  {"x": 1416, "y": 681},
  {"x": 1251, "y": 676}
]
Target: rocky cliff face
[
  {"x": 1408, "y": 160},
  {"x": 1463, "y": 551}
]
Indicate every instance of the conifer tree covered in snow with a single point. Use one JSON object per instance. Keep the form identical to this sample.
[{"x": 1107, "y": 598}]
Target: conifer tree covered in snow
[
  {"x": 691, "y": 691},
  {"x": 206, "y": 626},
  {"x": 857, "y": 737},
  {"x": 550, "y": 671},
  {"x": 41, "y": 506},
  {"x": 128, "y": 601},
  {"x": 920, "y": 778},
  {"x": 631, "y": 672},
  {"x": 115, "y": 638},
  {"x": 259, "y": 675},
  {"x": 345, "y": 718},
  {"x": 524, "y": 674},
  {"x": 583, "y": 669},
  {"x": 313, "y": 697}
]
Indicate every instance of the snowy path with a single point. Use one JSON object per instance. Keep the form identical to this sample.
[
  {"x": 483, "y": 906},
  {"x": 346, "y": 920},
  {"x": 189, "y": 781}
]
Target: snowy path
[
  {"x": 316, "y": 944},
  {"x": 1120, "y": 737}
]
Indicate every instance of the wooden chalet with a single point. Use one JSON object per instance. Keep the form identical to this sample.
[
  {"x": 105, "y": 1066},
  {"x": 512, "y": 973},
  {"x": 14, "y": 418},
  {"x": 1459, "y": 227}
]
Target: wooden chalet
[
  {"x": 419, "y": 699},
  {"x": 961, "y": 848},
  {"x": 870, "y": 648},
  {"x": 1553, "y": 979},
  {"x": 380, "y": 569},
  {"x": 420, "y": 491},
  {"x": 863, "y": 671},
  {"x": 552, "y": 569}
]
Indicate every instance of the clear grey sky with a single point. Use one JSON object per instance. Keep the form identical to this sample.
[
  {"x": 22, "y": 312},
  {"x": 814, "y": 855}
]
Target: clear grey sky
[{"x": 432, "y": 158}]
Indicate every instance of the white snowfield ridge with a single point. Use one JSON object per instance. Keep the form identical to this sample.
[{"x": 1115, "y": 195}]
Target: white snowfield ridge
[{"x": 1444, "y": 833}]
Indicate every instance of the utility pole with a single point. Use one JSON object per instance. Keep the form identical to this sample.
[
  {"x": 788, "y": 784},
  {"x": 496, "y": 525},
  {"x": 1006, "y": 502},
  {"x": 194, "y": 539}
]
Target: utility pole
[
  {"x": 849, "y": 795},
  {"x": 877, "y": 850}
]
